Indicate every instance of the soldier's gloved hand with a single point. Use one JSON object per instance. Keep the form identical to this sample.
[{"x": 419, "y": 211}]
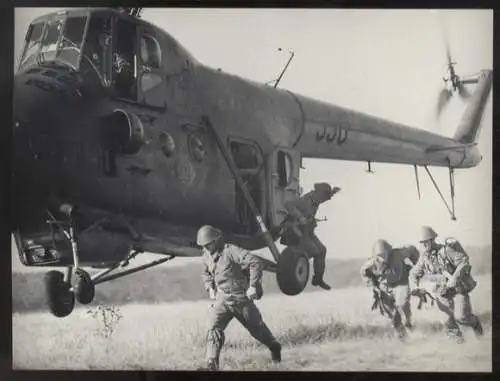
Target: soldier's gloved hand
[
  {"x": 335, "y": 190},
  {"x": 211, "y": 294},
  {"x": 252, "y": 293}
]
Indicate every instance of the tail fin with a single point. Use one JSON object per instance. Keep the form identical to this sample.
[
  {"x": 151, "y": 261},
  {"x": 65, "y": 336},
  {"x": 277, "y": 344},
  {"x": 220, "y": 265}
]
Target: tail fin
[{"x": 469, "y": 126}]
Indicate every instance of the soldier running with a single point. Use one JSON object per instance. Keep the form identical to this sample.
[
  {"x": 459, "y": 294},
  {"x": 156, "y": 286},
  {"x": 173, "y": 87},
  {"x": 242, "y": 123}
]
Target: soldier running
[
  {"x": 451, "y": 264},
  {"x": 303, "y": 212},
  {"x": 387, "y": 272},
  {"x": 232, "y": 276}
]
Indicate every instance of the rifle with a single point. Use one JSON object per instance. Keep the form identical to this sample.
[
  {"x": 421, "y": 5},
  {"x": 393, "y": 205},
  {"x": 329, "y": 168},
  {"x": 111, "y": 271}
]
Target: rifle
[
  {"x": 423, "y": 295},
  {"x": 382, "y": 299}
]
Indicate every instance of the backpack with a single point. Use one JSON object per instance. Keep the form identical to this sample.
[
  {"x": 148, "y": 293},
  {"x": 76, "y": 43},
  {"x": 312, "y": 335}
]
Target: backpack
[{"x": 466, "y": 282}]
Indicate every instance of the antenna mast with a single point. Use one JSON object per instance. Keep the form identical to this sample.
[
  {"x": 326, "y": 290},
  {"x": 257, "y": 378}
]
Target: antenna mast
[{"x": 277, "y": 81}]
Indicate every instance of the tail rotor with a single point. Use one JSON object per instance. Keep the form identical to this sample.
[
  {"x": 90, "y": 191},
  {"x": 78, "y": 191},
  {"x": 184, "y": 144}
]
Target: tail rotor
[{"x": 453, "y": 84}]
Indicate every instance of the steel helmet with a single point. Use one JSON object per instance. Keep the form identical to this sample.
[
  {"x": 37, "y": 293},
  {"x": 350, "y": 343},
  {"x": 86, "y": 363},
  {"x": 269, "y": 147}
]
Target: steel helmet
[
  {"x": 207, "y": 234},
  {"x": 382, "y": 247},
  {"x": 324, "y": 189},
  {"x": 427, "y": 233}
]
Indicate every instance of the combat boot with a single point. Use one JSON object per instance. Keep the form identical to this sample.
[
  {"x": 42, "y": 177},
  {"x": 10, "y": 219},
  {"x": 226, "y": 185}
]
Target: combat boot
[
  {"x": 456, "y": 336},
  {"x": 321, "y": 283},
  {"x": 276, "y": 353}
]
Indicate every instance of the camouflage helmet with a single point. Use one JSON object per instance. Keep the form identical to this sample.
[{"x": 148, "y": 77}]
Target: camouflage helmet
[
  {"x": 382, "y": 247},
  {"x": 427, "y": 233},
  {"x": 207, "y": 234}
]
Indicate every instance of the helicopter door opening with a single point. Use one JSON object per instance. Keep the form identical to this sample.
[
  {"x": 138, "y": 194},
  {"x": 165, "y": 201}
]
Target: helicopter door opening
[
  {"x": 125, "y": 60},
  {"x": 284, "y": 181},
  {"x": 150, "y": 79},
  {"x": 248, "y": 159}
]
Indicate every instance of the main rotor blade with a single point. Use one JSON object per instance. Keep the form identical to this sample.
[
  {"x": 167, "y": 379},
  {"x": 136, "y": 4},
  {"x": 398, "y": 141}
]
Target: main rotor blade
[{"x": 444, "y": 97}]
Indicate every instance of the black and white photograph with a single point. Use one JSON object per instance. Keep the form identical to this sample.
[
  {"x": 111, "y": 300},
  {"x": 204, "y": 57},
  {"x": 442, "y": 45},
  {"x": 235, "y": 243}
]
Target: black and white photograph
[{"x": 252, "y": 189}]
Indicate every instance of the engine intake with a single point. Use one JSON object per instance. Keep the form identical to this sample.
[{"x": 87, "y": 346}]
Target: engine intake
[{"x": 122, "y": 132}]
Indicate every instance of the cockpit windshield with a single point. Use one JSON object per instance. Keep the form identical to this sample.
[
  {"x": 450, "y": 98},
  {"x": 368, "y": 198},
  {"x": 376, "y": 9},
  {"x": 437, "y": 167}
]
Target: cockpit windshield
[{"x": 57, "y": 39}]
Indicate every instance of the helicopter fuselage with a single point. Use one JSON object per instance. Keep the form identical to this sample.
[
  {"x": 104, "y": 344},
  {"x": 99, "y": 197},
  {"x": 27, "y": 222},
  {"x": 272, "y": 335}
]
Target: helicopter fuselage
[{"x": 122, "y": 132}]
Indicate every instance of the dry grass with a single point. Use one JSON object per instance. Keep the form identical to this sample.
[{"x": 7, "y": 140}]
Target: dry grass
[{"x": 320, "y": 331}]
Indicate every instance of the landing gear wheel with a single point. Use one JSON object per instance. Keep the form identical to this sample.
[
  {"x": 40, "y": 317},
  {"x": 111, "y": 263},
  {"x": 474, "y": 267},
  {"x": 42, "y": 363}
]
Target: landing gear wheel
[
  {"x": 84, "y": 287},
  {"x": 292, "y": 272},
  {"x": 60, "y": 299}
]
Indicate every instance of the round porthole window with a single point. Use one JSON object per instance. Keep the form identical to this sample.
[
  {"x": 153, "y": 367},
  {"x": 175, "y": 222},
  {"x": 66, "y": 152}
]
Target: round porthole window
[{"x": 167, "y": 144}]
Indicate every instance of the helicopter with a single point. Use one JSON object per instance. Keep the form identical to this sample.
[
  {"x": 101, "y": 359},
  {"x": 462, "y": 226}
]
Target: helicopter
[{"x": 124, "y": 143}]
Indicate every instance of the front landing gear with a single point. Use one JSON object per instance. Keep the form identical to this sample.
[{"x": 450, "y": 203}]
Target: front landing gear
[
  {"x": 59, "y": 291},
  {"x": 84, "y": 287},
  {"x": 59, "y": 297},
  {"x": 62, "y": 290}
]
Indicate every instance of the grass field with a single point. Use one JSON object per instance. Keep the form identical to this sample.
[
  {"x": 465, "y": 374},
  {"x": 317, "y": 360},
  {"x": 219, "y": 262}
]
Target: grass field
[{"x": 333, "y": 331}]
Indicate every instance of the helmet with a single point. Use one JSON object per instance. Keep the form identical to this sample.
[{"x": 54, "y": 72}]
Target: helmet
[
  {"x": 427, "y": 233},
  {"x": 323, "y": 189},
  {"x": 382, "y": 247},
  {"x": 207, "y": 234}
]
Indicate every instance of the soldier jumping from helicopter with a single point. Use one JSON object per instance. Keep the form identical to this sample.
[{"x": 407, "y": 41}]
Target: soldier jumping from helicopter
[{"x": 303, "y": 217}]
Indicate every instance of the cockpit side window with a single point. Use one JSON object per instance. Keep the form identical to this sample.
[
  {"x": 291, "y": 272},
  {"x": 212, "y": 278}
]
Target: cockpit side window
[
  {"x": 97, "y": 50},
  {"x": 71, "y": 42},
  {"x": 50, "y": 40},
  {"x": 150, "y": 52},
  {"x": 33, "y": 38}
]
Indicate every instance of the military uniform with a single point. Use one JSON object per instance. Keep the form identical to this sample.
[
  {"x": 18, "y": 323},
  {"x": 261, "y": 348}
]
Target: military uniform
[
  {"x": 391, "y": 275},
  {"x": 443, "y": 261},
  {"x": 231, "y": 272},
  {"x": 307, "y": 206}
]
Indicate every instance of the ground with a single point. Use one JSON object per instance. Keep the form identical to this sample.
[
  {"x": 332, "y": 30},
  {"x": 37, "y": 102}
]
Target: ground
[{"x": 329, "y": 331}]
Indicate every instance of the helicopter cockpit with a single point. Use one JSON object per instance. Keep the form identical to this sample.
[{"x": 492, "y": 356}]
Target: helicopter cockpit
[{"x": 119, "y": 53}]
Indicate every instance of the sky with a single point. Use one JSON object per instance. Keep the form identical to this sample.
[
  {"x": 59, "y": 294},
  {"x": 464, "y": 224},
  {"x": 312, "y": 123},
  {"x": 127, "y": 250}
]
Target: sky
[{"x": 388, "y": 63}]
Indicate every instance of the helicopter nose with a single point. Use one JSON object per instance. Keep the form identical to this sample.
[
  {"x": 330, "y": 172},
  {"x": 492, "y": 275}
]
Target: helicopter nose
[{"x": 40, "y": 109}]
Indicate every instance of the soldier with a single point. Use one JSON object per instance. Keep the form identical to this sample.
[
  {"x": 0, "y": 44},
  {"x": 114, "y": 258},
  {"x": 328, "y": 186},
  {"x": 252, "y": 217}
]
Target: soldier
[
  {"x": 303, "y": 212},
  {"x": 451, "y": 264},
  {"x": 232, "y": 276},
  {"x": 387, "y": 271}
]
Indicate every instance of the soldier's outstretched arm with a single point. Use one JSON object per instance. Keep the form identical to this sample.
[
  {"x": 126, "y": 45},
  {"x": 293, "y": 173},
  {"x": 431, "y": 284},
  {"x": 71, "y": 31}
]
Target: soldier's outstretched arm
[
  {"x": 366, "y": 271},
  {"x": 207, "y": 278}
]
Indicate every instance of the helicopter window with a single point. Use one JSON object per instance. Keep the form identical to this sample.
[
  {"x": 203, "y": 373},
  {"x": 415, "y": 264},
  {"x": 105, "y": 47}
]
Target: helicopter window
[
  {"x": 49, "y": 42},
  {"x": 69, "y": 48},
  {"x": 284, "y": 169},
  {"x": 97, "y": 46},
  {"x": 123, "y": 60},
  {"x": 150, "y": 52},
  {"x": 244, "y": 155},
  {"x": 33, "y": 38}
]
